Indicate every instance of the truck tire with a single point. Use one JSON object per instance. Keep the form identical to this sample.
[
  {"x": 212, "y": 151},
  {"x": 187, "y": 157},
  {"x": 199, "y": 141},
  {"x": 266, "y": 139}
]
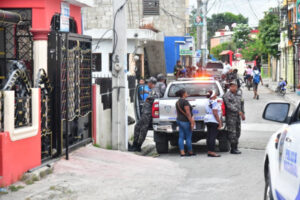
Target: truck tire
[
  {"x": 174, "y": 142},
  {"x": 224, "y": 144},
  {"x": 161, "y": 142}
]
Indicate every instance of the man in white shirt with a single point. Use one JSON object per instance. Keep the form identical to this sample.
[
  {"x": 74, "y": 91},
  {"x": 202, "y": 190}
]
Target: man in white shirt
[{"x": 226, "y": 68}]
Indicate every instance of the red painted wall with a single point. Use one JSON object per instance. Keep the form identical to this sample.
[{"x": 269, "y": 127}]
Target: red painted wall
[
  {"x": 43, "y": 11},
  {"x": 17, "y": 157}
]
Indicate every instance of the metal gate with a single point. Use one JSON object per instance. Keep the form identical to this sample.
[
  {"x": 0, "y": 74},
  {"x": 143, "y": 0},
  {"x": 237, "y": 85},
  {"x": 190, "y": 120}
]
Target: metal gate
[
  {"x": 70, "y": 70},
  {"x": 16, "y": 44}
]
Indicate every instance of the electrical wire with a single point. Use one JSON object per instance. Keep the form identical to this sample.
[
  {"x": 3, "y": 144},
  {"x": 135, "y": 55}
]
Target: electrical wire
[
  {"x": 212, "y": 5},
  {"x": 235, "y": 6},
  {"x": 115, "y": 38},
  {"x": 252, "y": 9}
]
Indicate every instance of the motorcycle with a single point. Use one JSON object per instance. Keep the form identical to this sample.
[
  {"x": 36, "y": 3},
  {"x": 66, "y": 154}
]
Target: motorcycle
[
  {"x": 281, "y": 90},
  {"x": 249, "y": 83}
]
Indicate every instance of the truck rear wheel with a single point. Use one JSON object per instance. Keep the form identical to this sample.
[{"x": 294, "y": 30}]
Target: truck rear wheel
[{"x": 161, "y": 142}]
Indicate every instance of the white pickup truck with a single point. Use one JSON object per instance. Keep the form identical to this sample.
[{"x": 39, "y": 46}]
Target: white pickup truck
[{"x": 164, "y": 112}]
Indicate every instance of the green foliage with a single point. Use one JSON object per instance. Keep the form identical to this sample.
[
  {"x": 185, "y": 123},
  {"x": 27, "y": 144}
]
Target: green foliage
[
  {"x": 221, "y": 47},
  {"x": 241, "y": 35},
  {"x": 221, "y": 20},
  {"x": 253, "y": 49},
  {"x": 269, "y": 35},
  {"x": 216, "y": 22}
]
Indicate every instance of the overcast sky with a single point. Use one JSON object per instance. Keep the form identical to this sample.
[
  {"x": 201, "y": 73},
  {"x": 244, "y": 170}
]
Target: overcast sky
[{"x": 240, "y": 7}]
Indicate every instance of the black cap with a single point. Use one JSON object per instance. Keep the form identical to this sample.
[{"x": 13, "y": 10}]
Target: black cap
[
  {"x": 152, "y": 80},
  {"x": 233, "y": 83},
  {"x": 161, "y": 77}
]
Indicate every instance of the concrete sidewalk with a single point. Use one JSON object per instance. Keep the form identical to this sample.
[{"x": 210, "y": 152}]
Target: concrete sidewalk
[
  {"x": 290, "y": 96},
  {"x": 93, "y": 173}
]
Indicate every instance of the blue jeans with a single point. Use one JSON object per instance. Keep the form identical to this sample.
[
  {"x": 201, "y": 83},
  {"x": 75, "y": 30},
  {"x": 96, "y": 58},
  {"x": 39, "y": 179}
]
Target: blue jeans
[{"x": 185, "y": 132}]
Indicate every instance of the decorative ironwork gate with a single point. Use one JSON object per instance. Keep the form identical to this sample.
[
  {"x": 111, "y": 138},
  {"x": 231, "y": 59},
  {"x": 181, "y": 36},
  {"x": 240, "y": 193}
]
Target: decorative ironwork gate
[
  {"x": 70, "y": 67},
  {"x": 17, "y": 43}
]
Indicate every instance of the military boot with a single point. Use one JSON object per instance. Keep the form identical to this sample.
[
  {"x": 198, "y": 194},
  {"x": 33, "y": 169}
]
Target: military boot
[
  {"x": 234, "y": 149},
  {"x": 133, "y": 147}
]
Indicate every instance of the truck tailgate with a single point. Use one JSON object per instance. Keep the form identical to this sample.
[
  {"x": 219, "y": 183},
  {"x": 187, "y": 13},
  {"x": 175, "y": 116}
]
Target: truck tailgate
[{"x": 167, "y": 109}]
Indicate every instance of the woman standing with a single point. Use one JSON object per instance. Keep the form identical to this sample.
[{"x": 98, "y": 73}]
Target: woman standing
[
  {"x": 213, "y": 122},
  {"x": 185, "y": 122}
]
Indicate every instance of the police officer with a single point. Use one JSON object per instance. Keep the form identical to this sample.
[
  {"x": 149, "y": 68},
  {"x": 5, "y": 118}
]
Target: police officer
[
  {"x": 141, "y": 128},
  {"x": 234, "y": 114},
  {"x": 161, "y": 85}
]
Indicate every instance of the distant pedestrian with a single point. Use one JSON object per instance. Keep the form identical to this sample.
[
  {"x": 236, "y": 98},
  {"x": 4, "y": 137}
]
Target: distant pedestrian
[
  {"x": 185, "y": 122},
  {"x": 256, "y": 80},
  {"x": 161, "y": 84},
  {"x": 213, "y": 122},
  {"x": 177, "y": 69},
  {"x": 226, "y": 68},
  {"x": 234, "y": 114},
  {"x": 141, "y": 127}
]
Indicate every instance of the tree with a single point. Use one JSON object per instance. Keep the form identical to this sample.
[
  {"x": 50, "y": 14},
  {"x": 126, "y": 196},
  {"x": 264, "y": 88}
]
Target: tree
[
  {"x": 241, "y": 35},
  {"x": 221, "y": 47},
  {"x": 269, "y": 33},
  {"x": 221, "y": 20},
  {"x": 216, "y": 22},
  {"x": 253, "y": 49}
]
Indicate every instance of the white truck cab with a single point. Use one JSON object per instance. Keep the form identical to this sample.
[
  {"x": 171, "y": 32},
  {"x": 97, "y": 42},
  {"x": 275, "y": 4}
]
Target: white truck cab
[{"x": 282, "y": 158}]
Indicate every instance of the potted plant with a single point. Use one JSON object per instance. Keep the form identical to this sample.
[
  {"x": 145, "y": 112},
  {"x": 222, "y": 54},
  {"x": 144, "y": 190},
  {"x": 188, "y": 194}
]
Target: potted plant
[{"x": 298, "y": 89}]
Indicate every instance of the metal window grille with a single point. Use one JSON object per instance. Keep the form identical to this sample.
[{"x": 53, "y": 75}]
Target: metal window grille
[{"x": 151, "y": 7}]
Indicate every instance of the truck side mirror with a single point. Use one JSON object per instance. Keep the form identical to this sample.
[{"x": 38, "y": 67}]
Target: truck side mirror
[{"x": 277, "y": 112}]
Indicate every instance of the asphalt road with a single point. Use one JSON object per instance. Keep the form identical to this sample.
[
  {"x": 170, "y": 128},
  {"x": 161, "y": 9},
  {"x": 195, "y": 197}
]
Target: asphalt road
[
  {"x": 232, "y": 177},
  {"x": 98, "y": 174}
]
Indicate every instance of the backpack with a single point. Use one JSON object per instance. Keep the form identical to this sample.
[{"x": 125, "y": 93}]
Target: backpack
[{"x": 256, "y": 78}]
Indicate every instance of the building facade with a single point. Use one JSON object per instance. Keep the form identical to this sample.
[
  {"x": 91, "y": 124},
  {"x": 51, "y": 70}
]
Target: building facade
[
  {"x": 289, "y": 44},
  {"x": 172, "y": 16}
]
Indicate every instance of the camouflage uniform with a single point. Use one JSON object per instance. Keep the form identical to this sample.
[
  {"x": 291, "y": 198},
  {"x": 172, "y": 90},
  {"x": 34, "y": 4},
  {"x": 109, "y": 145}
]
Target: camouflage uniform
[
  {"x": 141, "y": 128},
  {"x": 233, "y": 103},
  {"x": 161, "y": 87}
]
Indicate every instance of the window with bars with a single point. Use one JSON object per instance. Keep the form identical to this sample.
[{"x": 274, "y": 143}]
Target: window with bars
[{"x": 151, "y": 7}]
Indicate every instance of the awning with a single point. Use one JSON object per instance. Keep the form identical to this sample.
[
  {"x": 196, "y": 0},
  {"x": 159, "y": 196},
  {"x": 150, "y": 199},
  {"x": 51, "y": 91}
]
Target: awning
[
  {"x": 226, "y": 52},
  {"x": 7, "y": 17}
]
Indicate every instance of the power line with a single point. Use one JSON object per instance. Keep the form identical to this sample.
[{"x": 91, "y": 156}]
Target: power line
[
  {"x": 211, "y": 6},
  {"x": 252, "y": 10},
  {"x": 235, "y": 6}
]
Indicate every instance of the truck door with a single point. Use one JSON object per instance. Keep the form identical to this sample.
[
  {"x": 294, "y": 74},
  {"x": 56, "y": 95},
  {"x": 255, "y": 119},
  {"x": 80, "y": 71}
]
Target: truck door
[{"x": 289, "y": 157}]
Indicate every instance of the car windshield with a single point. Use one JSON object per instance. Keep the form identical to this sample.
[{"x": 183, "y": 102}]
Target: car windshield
[
  {"x": 214, "y": 66},
  {"x": 193, "y": 89}
]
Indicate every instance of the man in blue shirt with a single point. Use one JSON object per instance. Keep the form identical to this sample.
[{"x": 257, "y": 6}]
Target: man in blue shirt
[{"x": 143, "y": 90}]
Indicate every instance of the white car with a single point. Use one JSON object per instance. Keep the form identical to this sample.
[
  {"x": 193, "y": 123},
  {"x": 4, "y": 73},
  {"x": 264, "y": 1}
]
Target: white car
[{"x": 282, "y": 159}]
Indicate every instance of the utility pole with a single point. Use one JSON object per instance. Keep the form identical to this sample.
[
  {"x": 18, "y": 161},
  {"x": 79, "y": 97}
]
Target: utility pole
[
  {"x": 204, "y": 34},
  {"x": 199, "y": 31},
  {"x": 119, "y": 79}
]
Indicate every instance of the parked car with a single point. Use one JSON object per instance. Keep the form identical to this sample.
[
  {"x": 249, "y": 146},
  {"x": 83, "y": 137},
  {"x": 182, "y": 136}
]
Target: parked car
[
  {"x": 282, "y": 158},
  {"x": 164, "y": 112},
  {"x": 214, "y": 68}
]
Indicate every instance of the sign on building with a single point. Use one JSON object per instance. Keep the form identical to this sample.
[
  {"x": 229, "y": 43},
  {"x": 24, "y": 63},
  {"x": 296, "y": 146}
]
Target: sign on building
[
  {"x": 198, "y": 20},
  {"x": 64, "y": 17},
  {"x": 187, "y": 48},
  {"x": 151, "y": 7}
]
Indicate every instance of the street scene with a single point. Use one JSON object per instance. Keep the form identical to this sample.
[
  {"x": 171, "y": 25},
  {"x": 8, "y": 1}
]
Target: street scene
[{"x": 149, "y": 99}]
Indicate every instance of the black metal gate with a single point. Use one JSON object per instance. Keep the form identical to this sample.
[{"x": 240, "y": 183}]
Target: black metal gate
[
  {"x": 69, "y": 69},
  {"x": 16, "y": 43}
]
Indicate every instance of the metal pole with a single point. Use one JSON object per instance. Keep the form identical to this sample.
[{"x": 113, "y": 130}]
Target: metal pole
[
  {"x": 204, "y": 34},
  {"x": 199, "y": 12},
  {"x": 119, "y": 78},
  {"x": 67, "y": 98}
]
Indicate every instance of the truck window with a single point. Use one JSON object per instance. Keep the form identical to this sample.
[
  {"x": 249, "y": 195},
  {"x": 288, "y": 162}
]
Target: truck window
[
  {"x": 193, "y": 89},
  {"x": 214, "y": 66}
]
